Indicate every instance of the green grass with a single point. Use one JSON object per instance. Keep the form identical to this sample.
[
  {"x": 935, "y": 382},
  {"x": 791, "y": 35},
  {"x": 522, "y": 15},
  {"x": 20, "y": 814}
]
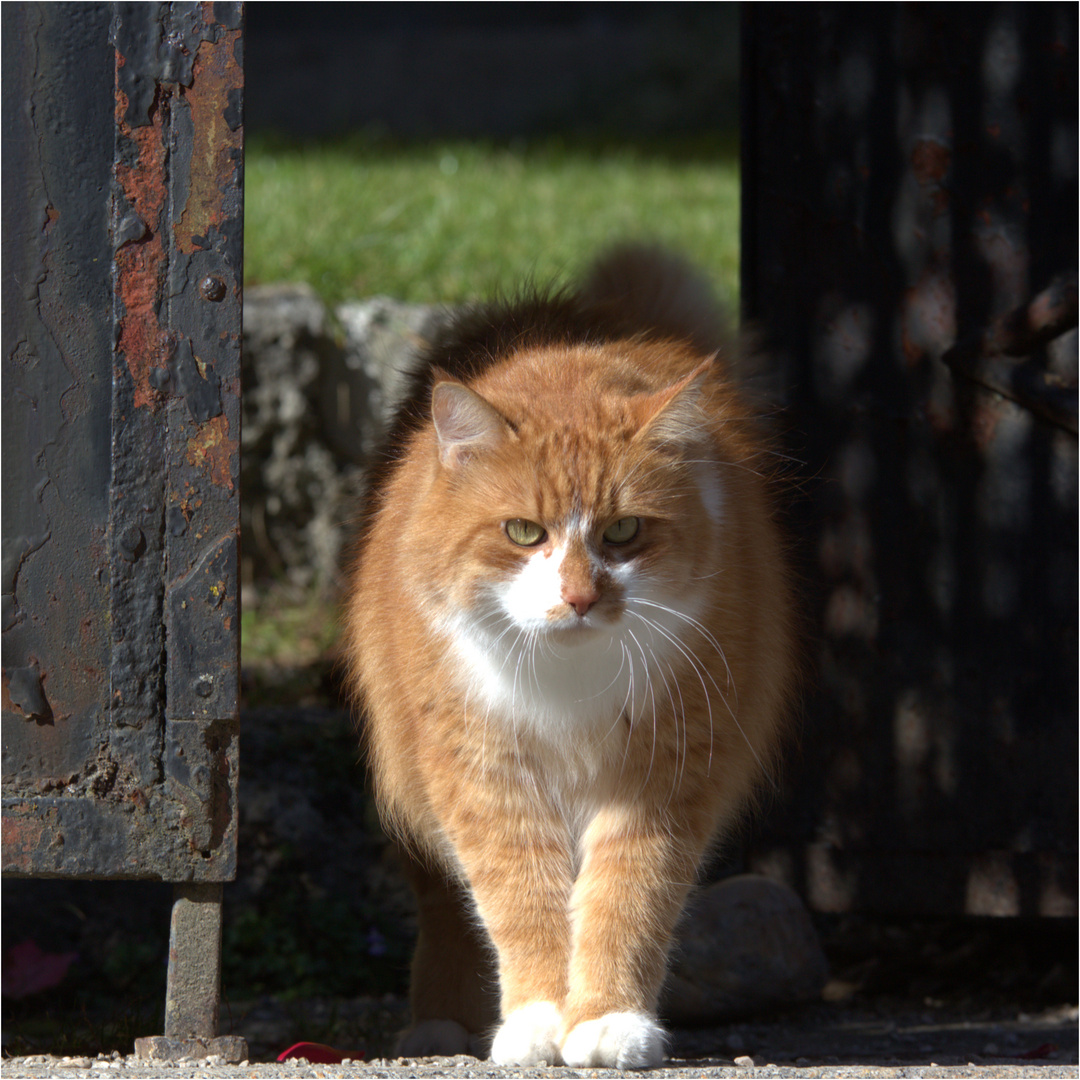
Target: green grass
[
  {"x": 449, "y": 221},
  {"x": 300, "y": 628}
]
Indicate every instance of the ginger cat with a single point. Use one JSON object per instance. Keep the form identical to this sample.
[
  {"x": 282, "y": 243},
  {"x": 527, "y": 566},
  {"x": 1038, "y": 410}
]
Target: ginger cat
[{"x": 571, "y": 635}]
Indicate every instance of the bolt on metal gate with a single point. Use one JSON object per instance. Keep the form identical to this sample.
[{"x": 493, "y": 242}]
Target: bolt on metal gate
[{"x": 122, "y": 248}]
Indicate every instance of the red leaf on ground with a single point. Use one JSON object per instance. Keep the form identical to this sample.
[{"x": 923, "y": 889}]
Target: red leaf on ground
[
  {"x": 28, "y": 970},
  {"x": 316, "y": 1053},
  {"x": 1045, "y": 1050}
]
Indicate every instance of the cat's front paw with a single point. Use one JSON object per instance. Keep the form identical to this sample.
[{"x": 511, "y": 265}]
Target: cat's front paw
[
  {"x": 622, "y": 1040},
  {"x": 529, "y": 1035}
]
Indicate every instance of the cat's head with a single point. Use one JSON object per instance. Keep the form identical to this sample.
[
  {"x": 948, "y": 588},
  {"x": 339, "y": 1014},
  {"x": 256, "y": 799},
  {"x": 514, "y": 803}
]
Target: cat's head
[{"x": 565, "y": 488}]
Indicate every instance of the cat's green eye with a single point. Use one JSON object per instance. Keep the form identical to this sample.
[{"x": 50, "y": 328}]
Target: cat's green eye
[
  {"x": 525, "y": 533},
  {"x": 622, "y": 531}
]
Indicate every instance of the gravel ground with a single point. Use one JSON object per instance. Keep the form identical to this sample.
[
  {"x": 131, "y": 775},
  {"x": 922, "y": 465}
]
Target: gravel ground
[
  {"x": 819, "y": 1041},
  {"x": 471, "y": 1067}
]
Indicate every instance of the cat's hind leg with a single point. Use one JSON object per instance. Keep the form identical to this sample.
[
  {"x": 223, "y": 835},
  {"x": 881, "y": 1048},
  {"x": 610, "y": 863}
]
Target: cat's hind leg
[{"x": 454, "y": 987}]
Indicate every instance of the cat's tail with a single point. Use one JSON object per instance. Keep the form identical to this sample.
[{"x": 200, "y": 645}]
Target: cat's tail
[{"x": 645, "y": 288}]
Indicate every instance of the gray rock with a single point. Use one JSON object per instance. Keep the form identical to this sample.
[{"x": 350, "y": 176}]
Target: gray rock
[
  {"x": 292, "y": 484},
  {"x": 318, "y": 394},
  {"x": 745, "y": 945},
  {"x": 383, "y": 338}
]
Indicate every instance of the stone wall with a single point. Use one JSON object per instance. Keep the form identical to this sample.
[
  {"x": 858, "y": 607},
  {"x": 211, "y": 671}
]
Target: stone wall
[{"x": 319, "y": 388}]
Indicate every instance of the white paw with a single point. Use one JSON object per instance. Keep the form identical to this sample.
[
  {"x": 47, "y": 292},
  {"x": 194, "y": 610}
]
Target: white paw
[
  {"x": 435, "y": 1038},
  {"x": 529, "y": 1035},
  {"x": 624, "y": 1040}
]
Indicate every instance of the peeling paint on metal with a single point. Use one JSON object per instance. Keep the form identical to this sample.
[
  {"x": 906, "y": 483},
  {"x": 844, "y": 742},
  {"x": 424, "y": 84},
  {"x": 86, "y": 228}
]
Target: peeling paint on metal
[
  {"x": 141, "y": 264},
  {"x": 22, "y": 838},
  {"x": 216, "y": 149},
  {"x": 212, "y": 451},
  {"x": 930, "y": 160}
]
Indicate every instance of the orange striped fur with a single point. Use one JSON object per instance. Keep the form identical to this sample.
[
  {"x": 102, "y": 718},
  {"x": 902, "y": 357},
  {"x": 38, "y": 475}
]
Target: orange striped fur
[{"x": 560, "y": 729}]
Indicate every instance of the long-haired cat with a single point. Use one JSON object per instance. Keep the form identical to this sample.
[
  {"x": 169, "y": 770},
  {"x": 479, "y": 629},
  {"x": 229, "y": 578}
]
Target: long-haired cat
[{"x": 570, "y": 633}]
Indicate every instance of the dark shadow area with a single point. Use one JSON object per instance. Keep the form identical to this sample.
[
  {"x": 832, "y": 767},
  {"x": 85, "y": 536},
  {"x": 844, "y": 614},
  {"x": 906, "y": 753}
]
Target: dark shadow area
[
  {"x": 84, "y": 964},
  {"x": 469, "y": 70},
  {"x": 909, "y": 184}
]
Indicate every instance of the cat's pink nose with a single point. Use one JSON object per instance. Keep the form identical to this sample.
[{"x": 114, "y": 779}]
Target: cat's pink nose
[{"x": 581, "y": 599}]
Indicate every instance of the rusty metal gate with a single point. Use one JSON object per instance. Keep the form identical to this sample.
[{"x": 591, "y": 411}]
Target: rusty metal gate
[
  {"x": 122, "y": 248},
  {"x": 910, "y": 254}
]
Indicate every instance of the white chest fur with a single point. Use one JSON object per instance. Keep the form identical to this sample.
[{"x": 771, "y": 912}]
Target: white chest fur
[{"x": 577, "y": 676}]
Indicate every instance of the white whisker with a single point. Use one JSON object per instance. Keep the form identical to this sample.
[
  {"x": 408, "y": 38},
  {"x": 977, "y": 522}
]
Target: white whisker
[
  {"x": 697, "y": 667},
  {"x": 677, "y": 716},
  {"x": 680, "y": 714},
  {"x": 652, "y": 695},
  {"x": 701, "y": 629}
]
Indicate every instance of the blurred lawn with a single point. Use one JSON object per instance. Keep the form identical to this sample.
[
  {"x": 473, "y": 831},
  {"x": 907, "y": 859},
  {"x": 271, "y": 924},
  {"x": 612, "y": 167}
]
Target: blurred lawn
[{"x": 450, "y": 221}]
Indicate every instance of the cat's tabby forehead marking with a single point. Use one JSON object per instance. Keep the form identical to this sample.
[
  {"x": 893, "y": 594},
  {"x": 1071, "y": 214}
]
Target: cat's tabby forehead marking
[
  {"x": 578, "y": 419},
  {"x": 581, "y": 483}
]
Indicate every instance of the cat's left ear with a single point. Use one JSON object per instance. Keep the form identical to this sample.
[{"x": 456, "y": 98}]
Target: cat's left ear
[
  {"x": 674, "y": 414},
  {"x": 465, "y": 423}
]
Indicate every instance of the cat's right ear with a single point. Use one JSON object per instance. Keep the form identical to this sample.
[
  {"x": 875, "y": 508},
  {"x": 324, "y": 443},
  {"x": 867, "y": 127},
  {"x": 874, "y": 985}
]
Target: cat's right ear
[{"x": 465, "y": 423}]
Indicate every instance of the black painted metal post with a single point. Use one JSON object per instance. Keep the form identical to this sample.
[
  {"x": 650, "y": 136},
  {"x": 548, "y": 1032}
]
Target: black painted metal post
[
  {"x": 123, "y": 218},
  {"x": 194, "y": 989},
  {"x": 193, "y": 994}
]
